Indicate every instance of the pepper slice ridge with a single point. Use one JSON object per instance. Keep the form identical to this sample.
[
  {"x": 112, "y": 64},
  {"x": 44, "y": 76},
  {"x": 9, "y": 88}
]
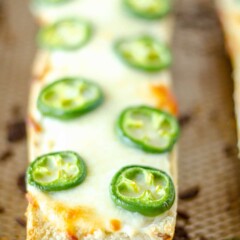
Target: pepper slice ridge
[
  {"x": 150, "y": 9},
  {"x": 144, "y": 53},
  {"x": 69, "y": 98},
  {"x": 57, "y": 171},
  {"x": 66, "y": 34},
  {"x": 147, "y": 128},
  {"x": 143, "y": 189}
]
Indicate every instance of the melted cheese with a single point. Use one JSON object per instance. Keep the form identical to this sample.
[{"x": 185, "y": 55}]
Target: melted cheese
[{"x": 92, "y": 135}]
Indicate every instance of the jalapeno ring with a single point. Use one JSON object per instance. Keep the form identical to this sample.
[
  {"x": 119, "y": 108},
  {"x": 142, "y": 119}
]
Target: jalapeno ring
[
  {"x": 150, "y": 10},
  {"x": 57, "y": 171},
  {"x": 69, "y": 98},
  {"x": 65, "y": 34},
  {"x": 142, "y": 189},
  {"x": 144, "y": 53},
  {"x": 147, "y": 128}
]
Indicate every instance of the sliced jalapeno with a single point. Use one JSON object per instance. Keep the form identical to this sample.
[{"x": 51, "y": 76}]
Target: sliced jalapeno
[
  {"x": 144, "y": 53},
  {"x": 69, "y": 98},
  {"x": 66, "y": 34},
  {"x": 57, "y": 171},
  {"x": 141, "y": 189},
  {"x": 147, "y": 128},
  {"x": 150, "y": 9}
]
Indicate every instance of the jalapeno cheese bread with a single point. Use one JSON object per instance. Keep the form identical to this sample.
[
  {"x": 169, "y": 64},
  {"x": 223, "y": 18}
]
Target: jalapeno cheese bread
[
  {"x": 229, "y": 14},
  {"x": 102, "y": 123}
]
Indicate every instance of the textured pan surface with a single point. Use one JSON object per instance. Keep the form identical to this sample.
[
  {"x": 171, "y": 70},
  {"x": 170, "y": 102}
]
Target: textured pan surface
[{"x": 208, "y": 158}]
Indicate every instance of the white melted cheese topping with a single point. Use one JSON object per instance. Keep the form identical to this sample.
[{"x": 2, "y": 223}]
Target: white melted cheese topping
[{"x": 93, "y": 135}]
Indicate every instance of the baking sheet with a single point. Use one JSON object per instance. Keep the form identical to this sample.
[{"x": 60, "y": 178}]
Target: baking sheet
[{"x": 209, "y": 171}]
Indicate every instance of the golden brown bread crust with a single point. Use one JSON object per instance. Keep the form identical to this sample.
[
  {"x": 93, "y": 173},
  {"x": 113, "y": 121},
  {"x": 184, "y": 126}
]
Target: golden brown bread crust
[{"x": 39, "y": 227}]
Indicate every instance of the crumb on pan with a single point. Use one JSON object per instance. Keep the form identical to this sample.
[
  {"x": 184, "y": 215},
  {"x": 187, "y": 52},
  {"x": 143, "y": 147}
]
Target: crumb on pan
[
  {"x": 189, "y": 193},
  {"x": 6, "y": 155},
  {"x": 21, "y": 183},
  {"x": 21, "y": 221},
  {"x": 16, "y": 131}
]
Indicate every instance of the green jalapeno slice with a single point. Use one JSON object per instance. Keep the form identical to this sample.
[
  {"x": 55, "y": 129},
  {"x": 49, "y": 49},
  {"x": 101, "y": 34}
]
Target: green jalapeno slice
[
  {"x": 69, "y": 98},
  {"x": 147, "y": 128},
  {"x": 148, "y": 9},
  {"x": 57, "y": 171},
  {"x": 144, "y": 53},
  {"x": 66, "y": 34},
  {"x": 142, "y": 189}
]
